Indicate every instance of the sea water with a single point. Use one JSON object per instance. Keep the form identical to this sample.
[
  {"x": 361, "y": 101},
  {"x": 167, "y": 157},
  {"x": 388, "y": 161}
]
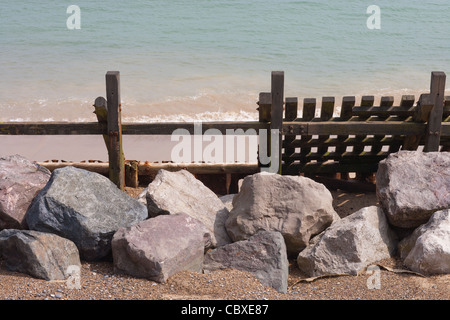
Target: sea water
[{"x": 207, "y": 60}]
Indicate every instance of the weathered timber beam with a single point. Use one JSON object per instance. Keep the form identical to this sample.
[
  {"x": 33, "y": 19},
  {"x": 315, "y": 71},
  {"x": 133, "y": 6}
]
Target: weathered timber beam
[
  {"x": 51, "y": 128},
  {"x": 162, "y": 128},
  {"x": 354, "y": 128},
  {"x": 168, "y": 128},
  {"x": 151, "y": 168}
]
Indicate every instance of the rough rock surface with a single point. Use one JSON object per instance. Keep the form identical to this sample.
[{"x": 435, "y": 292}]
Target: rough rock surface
[
  {"x": 20, "y": 181},
  {"x": 297, "y": 207},
  {"x": 427, "y": 249},
  {"x": 160, "y": 247},
  {"x": 41, "y": 255},
  {"x": 175, "y": 192},
  {"x": 84, "y": 207},
  {"x": 263, "y": 255},
  {"x": 228, "y": 200},
  {"x": 349, "y": 245},
  {"x": 412, "y": 185}
]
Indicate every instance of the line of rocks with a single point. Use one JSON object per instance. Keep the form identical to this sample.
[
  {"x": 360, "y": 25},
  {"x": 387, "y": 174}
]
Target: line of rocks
[{"x": 178, "y": 224}]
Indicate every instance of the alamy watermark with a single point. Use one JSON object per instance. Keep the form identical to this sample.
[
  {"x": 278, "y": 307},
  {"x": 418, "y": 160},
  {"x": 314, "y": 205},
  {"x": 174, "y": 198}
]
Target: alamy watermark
[
  {"x": 374, "y": 281},
  {"x": 74, "y": 279},
  {"x": 374, "y": 20},
  {"x": 230, "y": 147},
  {"x": 73, "y": 22}
]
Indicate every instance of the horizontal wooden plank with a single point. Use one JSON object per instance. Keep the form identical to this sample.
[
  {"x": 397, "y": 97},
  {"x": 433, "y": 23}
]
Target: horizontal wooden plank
[
  {"x": 52, "y": 128},
  {"x": 147, "y": 168},
  {"x": 152, "y": 168},
  {"x": 349, "y": 157},
  {"x": 355, "y": 128},
  {"x": 167, "y": 128},
  {"x": 329, "y": 167},
  {"x": 383, "y": 111},
  {"x": 158, "y": 128},
  {"x": 334, "y": 142}
]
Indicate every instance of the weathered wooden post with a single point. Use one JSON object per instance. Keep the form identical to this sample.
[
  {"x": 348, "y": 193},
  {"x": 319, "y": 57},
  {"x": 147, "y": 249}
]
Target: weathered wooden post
[
  {"x": 101, "y": 112},
  {"x": 433, "y": 133},
  {"x": 132, "y": 173},
  {"x": 116, "y": 156},
  {"x": 276, "y": 122}
]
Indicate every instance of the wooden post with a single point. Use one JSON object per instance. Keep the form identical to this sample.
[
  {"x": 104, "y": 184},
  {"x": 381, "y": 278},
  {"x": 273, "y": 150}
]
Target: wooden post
[
  {"x": 116, "y": 157},
  {"x": 421, "y": 114},
  {"x": 131, "y": 174},
  {"x": 276, "y": 123},
  {"x": 433, "y": 133}
]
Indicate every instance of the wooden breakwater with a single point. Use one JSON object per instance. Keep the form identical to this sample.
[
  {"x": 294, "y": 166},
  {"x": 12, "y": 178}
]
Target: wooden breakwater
[{"x": 330, "y": 145}]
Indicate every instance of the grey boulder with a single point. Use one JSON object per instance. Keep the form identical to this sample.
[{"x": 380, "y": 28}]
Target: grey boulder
[
  {"x": 160, "y": 247},
  {"x": 412, "y": 185},
  {"x": 427, "y": 249},
  {"x": 349, "y": 245},
  {"x": 263, "y": 255},
  {"x": 175, "y": 192},
  {"x": 20, "y": 181},
  {"x": 41, "y": 255},
  {"x": 84, "y": 207},
  {"x": 295, "y": 206}
]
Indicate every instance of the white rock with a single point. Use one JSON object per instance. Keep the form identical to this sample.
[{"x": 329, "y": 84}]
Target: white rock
[
  {"x": 412, "y": 185},
  {"x": 427, "y": 249},
  {"x": 175, "y": 192},
  {"x": 349, "y": 245},
  {"x": 295, "y": 206}
]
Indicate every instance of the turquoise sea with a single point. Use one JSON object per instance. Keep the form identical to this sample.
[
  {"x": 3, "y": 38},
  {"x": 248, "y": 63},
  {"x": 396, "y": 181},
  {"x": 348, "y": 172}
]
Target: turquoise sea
[
  {"x": 203, "y": 60},
  {"x": 209, "y": 59}
]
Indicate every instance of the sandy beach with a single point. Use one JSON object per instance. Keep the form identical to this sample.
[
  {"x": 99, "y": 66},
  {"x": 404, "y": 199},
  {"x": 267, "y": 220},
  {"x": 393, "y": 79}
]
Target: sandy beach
[{"x": 100, "y": 282}]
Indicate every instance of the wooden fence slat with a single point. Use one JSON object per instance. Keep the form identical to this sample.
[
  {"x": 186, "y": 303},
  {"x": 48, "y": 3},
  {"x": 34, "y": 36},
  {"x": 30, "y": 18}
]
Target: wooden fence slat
[
  {"x": 116, "y": 157},
  {"x": 265, "y": 106},
  {"x": 291, "y": 108},
  {"x": 326, "y": 114},
  {"x": 308, "y": 114},
  {"x": 348, "y": 102}
]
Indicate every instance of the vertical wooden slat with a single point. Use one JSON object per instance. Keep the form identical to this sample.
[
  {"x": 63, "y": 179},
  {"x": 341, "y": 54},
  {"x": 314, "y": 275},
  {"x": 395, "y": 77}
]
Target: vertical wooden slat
[
  {"x": 290, "y": 114},
  {"x": 407, "y": 101},
  {"x": 265, "y": 106},
  {"x": 326, "y": 114},
  {"x": 366, "y": 101},
  {"x": 433, "y": 134},
  {"x": 348, "y": 102},
  {"x": 309, "y": 109},
  {"x": 386, "y": 101},
  {"x": 308, "y": 113},
  {"x": 276, "y": 123},
  {"x": 116, "y": 157}
]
